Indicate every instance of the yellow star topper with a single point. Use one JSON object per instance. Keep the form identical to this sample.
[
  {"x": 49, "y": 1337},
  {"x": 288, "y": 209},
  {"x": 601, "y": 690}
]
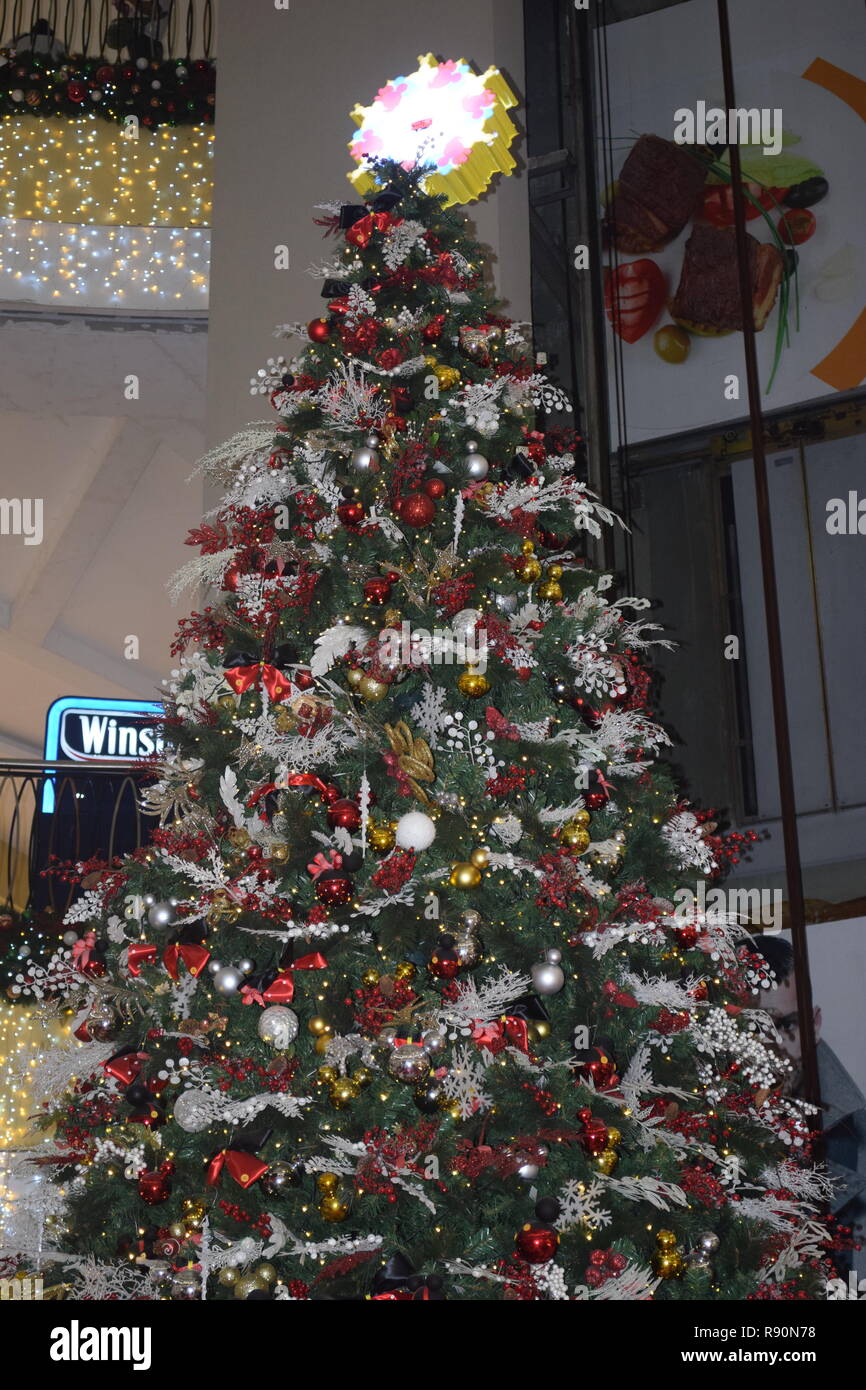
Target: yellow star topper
[{"x": 443, "y": 115}]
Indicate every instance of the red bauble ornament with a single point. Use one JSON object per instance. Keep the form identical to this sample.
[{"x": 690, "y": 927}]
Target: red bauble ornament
[
  {"x": 594, "y": 800},
  {"x": 154, "y": 1186},
  {"x": 304, "y": 679},
  {"x": 434, "y": 487},
  {"x": 76, "y": 91},
  {"x": 351, "y": 513},
  {"x": 417, "y": 510},
  {"x": 443, "y": 965},
  {"x": 334, "y": 888},
  {"x": 377, "y": 590},
  {"x": 536, "y": 1244},
  {"x": 593, "y": 1137},
  {"x": 94, "y": 968},
  {"x": 344, "y": 814},
  {"x": 319, "y": 330},
  {"x": 231, "y": 577},
  {"x": 687, "y": 936},
  {"x": 432, "y": 331}
]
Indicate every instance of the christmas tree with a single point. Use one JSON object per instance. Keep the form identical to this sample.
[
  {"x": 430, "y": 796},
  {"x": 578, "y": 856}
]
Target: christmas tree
[{"x": 413, "y": 995}]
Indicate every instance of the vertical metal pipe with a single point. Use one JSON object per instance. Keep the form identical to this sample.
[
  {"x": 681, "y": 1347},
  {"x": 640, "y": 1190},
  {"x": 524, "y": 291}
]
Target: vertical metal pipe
[{"x": 793, "y": 869}]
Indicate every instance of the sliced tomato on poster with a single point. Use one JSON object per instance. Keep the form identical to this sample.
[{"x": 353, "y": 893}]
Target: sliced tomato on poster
[
  {"x": 634, "y": 296},
  {"x": 718, "y": 203}
]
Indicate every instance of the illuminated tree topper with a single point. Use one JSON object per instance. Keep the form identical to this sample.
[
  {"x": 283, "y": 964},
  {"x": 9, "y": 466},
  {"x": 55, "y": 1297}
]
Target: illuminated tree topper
[{"x": 443, "y": 115}]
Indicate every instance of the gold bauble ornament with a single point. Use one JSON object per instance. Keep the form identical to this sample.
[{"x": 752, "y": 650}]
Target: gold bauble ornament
[
  {"x": 464, "y": 876},
  {"x": 227, "y": 702},
  {"x": 326, "y": 1076},
  {"x": 574, "y": 836},
  {"x": 382, "y": 836},
  {"x": 581, "y": 818},
  {"x": 343, "y": 1090},
  {"x": 370, "y": 979},
  {"x": 667, "y": 1260},
  {"x": 371, "y": 689},
  {"x": 247, "y": 1284},
  {"x": 538, "y": 1029},
  {"x": 528, "y": 568},
  {"x": 327, "y": 1182},
  {"x": 238, "y": 837},
  {"x": 354, "y": 676},
  {"x": 480, "y": 857},
  {"x": 472, "y": 683},
  {"x": 362, "y": 1076},
  {"x": 333, "y": 1208},
  {"x": 228, "y": 1277},
  {"x": 318, "y": 1025},
  {"x": 266, "y": 1273},
  {"x": 321, "y": 1043},
  {"x": 614, "y": 1138},
  {"x": 177, "y": 1231},
  {"x": 405, "y": 971},
  {"x": 606, "y": 1161},
  {"x": 285, "y": 720},
  {"x": 279, "y": 852},
  {"x": 550, "y": 587}
]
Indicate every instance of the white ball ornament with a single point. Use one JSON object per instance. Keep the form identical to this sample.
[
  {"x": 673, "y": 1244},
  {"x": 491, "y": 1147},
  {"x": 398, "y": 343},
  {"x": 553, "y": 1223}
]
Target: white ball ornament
[
  {"x": 70, "y": 938},
  {"x": 415, "y": 831},
  {"x": 278, "y": 1026}
]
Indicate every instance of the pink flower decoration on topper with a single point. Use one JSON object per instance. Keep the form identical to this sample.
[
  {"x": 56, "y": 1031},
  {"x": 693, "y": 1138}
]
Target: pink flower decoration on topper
[
  {"x": 391, "y": 95},
  {"x": 445, "y": 73}
]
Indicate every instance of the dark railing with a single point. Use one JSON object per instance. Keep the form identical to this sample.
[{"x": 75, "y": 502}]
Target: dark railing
[
  {"x": 52, "y": 812},
  {"x": 150, "y": 29}
]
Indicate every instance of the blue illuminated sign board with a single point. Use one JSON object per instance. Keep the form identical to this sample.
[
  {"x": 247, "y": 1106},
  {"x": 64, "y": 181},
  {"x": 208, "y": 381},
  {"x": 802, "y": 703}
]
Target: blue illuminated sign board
[{"x": 90, "y": 730}]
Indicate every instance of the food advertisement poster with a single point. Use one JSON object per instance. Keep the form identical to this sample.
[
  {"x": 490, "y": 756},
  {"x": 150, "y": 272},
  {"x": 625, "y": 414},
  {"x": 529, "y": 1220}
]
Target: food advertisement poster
[{"x": 675, "y": 340}]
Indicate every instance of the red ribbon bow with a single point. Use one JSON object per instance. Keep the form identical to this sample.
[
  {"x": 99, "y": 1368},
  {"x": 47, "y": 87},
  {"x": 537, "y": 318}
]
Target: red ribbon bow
[
  {"x": 323, "y": 863},
  {"x": 282, "y": 989},
  {"x": 243, "y": 678},
  {"x": 138, "y": 954},
  {"x": 496, "y": 1036},
  {"x": 244, "y": 1168},
  {"x": 195, "y": 958},
  {"x": 360, "y": 232},
  {"x": 83, "y": 949}
]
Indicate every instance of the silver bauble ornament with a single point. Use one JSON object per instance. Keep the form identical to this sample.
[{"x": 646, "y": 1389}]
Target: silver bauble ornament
[
  {"x": 433, "y": 1041},
  {"x": 468, "y": 949},
  {"x": 280, "y": 1177},
  {"x": 470, "y": 919},
  {"x": 185, "y": 1285},
  {"x": 475, "y": 465},
  {"x": 548, "y": 976},
  {"x": 709, "y": 1242},
  {"x": 228, "y": 980},
  {"x": 246, "y": 966},
  {"x": 409, "y": 1063},
  {"x": 161, "y": 916},
  {"x": 70, "y": 938},
  {"x": 365, "y": 458},
  {"x": 463, "y": 623},
  {"x": 278, "y": 1026},
  {"x": 101, "y": 1023},
  {"x": 528, "y": 1171},
  {"x": 506, "y": 603},
  {"x": 193, "y": 1111},
  {"x": 213, "y": 966}
]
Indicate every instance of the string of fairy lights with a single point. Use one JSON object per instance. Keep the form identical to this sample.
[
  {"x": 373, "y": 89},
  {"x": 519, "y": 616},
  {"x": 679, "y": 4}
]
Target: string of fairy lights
[
  {"x": 104, "y": 267},
  {"x": 86, "y": 171},
  {"x": 94, "y": 216}
]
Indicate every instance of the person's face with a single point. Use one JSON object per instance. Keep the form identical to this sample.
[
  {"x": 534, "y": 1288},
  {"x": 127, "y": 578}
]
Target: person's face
[{"x": 781, "y": 1004}]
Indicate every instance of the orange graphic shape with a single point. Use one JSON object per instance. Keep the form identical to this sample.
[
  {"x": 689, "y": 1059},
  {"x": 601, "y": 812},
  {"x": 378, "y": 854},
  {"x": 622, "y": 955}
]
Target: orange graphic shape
[
  {"x": 844, "y": 85},
  {"x": 845, "y": 366}
]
